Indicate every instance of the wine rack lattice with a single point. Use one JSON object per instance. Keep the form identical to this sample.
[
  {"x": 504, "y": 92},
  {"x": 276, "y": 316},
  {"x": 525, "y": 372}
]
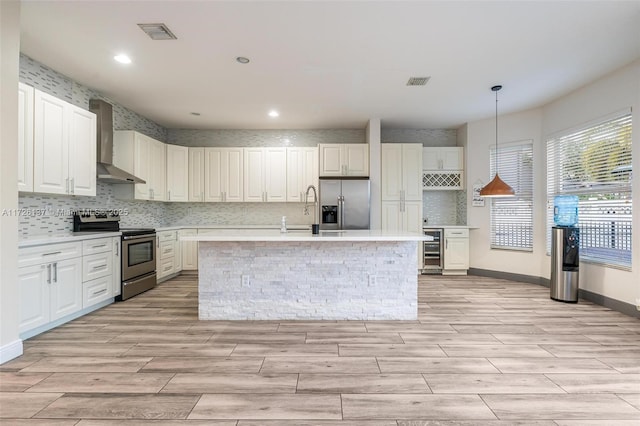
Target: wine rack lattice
[{"x": 442, "y": 180}]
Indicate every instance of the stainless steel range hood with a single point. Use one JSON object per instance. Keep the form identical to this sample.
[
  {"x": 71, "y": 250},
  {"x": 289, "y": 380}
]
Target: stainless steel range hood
[{"x": 106, "y": 171}]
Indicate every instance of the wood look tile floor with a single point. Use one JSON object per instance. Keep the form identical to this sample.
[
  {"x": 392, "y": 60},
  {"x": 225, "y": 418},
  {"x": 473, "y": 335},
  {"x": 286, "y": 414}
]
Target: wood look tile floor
[{"x": 482, "y": 352}]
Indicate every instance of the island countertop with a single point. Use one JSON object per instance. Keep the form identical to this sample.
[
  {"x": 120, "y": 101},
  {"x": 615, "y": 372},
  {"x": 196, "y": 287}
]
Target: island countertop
[{"x": 306, "y": 235}]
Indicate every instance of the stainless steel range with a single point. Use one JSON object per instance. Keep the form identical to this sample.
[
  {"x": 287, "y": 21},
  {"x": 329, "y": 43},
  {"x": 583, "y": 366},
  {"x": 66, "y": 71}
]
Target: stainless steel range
[{"x": 138, "y": 248}]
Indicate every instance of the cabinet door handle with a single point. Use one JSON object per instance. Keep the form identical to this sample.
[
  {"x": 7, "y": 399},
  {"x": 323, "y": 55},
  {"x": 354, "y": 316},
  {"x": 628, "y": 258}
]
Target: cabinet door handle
[
  {"x": 55, "y": 272},
  {"x": 266, "y": 196},
  {"x": 117, "y": 243},
  {"x": 66, "y": 183},
  {"x": 100, "y": 292},
  {"x": 446, "y": 243},
  {"x": 99, "y": 267},
  {"x": 72, "y": 185},
  {"x": 202, "y": 196},
  {"x": 99, "y": 245},
  {"x": 168, "y": 195},
  {"x": 52, "y": 253},
  {"x": 49, "y": 274}
]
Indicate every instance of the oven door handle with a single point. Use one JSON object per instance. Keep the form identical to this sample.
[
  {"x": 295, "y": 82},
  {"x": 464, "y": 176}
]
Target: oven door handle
[{"x": 137, "y": 237}]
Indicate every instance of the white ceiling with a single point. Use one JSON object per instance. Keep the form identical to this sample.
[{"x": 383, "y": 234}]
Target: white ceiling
[{"x": 332, "y": 64}]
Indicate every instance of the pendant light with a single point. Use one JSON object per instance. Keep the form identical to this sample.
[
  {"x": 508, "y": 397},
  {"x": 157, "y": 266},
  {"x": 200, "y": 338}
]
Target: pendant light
[{"x": 497, "y": 187}]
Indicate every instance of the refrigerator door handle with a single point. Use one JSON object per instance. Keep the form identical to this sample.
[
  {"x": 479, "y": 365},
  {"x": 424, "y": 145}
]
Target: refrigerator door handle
[
  {"x": 342, "y": 212},
  {"x": 339, "y": 212}
]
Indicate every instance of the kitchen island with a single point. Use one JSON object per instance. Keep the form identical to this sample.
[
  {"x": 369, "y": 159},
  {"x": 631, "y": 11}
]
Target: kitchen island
[{"x": 334, "y": 275}]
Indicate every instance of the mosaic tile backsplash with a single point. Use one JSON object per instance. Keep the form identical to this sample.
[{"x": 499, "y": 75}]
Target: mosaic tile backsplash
[{"x": 263, "y": 137}]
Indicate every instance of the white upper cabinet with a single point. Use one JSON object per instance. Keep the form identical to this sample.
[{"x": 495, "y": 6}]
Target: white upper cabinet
[
  {"x": 401, "y": 168},
  {"x": 158, "y": 170},
  {"x": 177, "y": 173},
  {"x": 25, "y": 137},
  {"x": 443, "y": 168},
  {"x": 82, "y": 151},
  {"x": 344, "y": 159},
  {"x": 302, "y": 171},
  {"x": 143, "y": 157},
  {"x": 224, "y": 177},
  {"x": 442, "y": 158},
  {"x": 64, "y": 147},
  {"x": 196, "y": 174},
  {"x": 265, "y": 174}
]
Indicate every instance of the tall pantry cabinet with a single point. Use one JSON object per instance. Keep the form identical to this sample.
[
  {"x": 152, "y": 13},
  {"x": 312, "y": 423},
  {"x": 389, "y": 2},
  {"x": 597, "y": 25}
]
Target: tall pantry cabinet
[{"x": 401, "y": 188}]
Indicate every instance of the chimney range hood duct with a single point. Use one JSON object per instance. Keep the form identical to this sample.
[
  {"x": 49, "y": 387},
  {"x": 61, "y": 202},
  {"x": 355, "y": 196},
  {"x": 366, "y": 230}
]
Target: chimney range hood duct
[{"x": 106, "y": 171}]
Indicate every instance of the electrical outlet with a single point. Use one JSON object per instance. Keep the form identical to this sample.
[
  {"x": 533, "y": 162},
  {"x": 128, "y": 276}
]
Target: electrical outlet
[
  {"x": 245, "y": 280},
  {"x": 373, "y": 280}
]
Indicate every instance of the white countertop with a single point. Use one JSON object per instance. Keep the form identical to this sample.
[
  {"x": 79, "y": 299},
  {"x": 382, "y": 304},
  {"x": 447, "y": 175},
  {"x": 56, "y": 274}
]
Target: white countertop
[
  {"x": 276, "y": 235},
  {"x": 64, "y": 237},
  {"x": 436, "y": 226},
  {"x": 277, "y": 226}
]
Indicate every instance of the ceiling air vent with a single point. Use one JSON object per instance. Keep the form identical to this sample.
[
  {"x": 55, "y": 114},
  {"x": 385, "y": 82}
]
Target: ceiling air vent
[
  {"x": 417, "y": 81},
  {"x": 158, "y": 31}
]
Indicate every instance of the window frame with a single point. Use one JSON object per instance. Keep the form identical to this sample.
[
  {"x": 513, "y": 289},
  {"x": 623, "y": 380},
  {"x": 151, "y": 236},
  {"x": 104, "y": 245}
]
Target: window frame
[{"x": 593, "y": 195}]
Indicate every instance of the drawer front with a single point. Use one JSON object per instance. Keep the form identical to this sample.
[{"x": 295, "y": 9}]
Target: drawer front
[
  {"x": 95, "y": 291},
  {"x": 166, "y": 250},
  {"x": 167, "y": 236},
  {"x": 99, "y": 245},
  {"x": 456, "y": 233},
  {"x": 30, "y": 256},
  {"x": 166, "y": 268},
  {"x": 97, "y": 266}
]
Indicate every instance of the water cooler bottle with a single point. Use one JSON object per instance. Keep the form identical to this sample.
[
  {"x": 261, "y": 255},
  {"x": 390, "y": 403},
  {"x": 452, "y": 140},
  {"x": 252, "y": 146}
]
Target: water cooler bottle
[{"x": 565, "y": 251}]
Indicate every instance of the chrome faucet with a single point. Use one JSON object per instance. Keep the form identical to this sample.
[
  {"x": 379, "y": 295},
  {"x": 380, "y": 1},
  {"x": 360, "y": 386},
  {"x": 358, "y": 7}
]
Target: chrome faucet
[{"x": 315, "y": 201}]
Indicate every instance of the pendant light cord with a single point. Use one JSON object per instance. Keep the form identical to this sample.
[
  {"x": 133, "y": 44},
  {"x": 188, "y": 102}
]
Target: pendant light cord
[
  {"x": 497, "y": 131},
  {"x": 495, "y": 89}
]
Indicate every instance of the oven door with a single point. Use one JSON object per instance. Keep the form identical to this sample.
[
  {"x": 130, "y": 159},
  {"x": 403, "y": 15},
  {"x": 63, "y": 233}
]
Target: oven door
[{"x": 138, "y": 255}]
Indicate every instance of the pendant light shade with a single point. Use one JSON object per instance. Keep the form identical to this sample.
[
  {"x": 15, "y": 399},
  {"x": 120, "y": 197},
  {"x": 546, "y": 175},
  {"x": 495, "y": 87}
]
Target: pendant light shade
[{"x": 497, "y": 187}]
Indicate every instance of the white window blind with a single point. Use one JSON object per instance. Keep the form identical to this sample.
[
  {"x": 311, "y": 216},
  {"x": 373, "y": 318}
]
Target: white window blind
[
  {"x": 594, "y": 163},
  {"x": 512, "y": 217}
]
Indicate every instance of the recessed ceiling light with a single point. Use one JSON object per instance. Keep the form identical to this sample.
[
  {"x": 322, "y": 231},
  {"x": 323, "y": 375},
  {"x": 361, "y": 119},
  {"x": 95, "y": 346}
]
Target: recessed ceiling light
[
  {"x": 197, "y": 114},
  {"x": 122, "y": 58},
  {"x": 242, "y": 60},
  {"x": 273, "y": 113}
]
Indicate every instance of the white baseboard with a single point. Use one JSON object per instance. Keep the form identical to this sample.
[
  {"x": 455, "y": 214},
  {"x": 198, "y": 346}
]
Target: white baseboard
[{"x": 10, "y": 351}]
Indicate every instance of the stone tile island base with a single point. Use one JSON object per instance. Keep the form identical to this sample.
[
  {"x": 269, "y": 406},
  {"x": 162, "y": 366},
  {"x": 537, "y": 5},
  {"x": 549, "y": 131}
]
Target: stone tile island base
[{"x": 319, "y": 280}]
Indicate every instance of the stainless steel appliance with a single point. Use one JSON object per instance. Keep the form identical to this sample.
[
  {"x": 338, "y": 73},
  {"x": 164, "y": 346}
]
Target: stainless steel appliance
[
  {"x": 106, "y": 171},
  {"x": 138, "y": 261},
  {"x": 432, "y": 251},
  {"x": 138, "y": 248},
  {"x": 344, "y": 203},
  {"x": 565, "y": 263}
]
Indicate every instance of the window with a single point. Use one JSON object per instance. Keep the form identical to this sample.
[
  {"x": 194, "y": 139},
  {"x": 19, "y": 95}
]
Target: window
[
  {"x": 594, "y": 163},
  {"x": 512, "y": 217}
]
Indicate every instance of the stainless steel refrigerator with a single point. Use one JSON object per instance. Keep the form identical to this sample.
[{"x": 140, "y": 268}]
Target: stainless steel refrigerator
[{"x": 344, "y": 203}]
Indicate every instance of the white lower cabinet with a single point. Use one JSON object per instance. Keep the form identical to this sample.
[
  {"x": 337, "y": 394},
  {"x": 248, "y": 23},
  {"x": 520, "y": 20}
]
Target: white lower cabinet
[
  {"x": 168, "y": 254},
  {"x": 57, "y": 283},
  {"x": 456, "y": 252},
  {"x": 189, "y": 250},
  {"x": 50, "y": 289},
  {"x": 117, "y": 266}
]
